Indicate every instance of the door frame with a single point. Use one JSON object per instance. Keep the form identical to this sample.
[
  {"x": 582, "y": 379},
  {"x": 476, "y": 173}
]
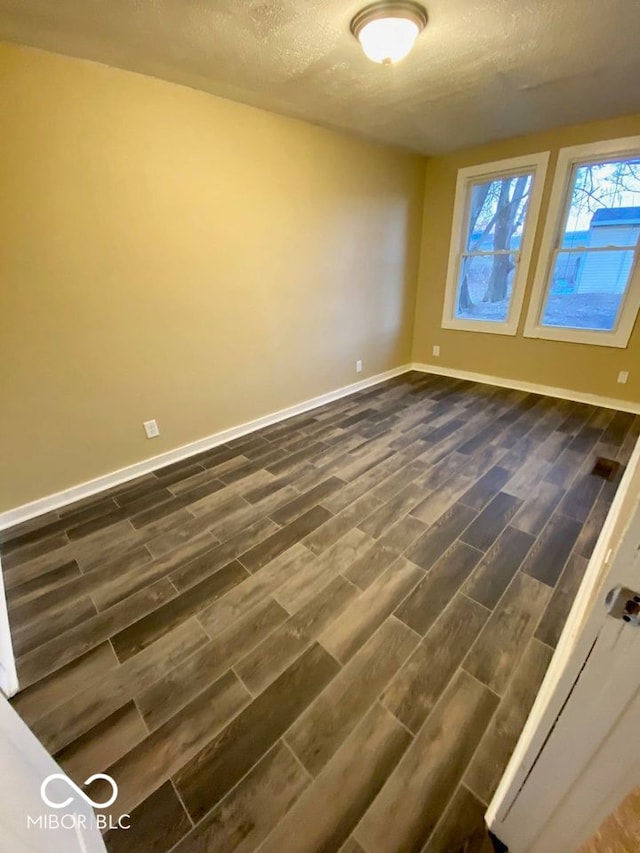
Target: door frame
[
  {"x": 579, "y": 635},
  {"x": 8, "y": 673}
]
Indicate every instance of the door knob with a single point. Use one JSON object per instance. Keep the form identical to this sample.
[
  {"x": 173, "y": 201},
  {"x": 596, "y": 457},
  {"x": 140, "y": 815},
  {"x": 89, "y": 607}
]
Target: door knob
[{"x": 623, "y": 603}]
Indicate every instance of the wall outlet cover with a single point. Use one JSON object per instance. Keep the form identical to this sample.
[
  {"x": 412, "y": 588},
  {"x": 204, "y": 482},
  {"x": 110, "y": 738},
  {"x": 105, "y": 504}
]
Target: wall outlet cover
[
  {"x": 436, "y": 350},
  {"x": 358, "y": 366},
  {"x": 623, "y": 376},
  {"x": 151, "y": 429}
]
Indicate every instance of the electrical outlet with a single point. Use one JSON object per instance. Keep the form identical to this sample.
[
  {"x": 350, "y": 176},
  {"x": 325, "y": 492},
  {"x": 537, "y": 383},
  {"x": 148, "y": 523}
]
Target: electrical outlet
[
  {"x": 623, "y": 376},
  {"x": 436, "y": 350},
  {"x": 358, "y": 366},
  {"x": 151, "y": 429}
]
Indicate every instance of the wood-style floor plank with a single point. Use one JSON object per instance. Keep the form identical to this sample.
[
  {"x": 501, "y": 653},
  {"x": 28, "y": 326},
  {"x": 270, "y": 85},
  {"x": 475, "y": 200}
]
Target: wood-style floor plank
[
  {"x": 312, "y": 573},
  {"x": 438, "y": 538},
  {"x": 367, "y": 612},
  {"x": 484, "y": 489},
  {"x": 261, "y": 666},
  {"x": 500, "y": 738},
  {"x": 32, "y": 633},
  {"x": 495, "y": 570},
  {"x": 189, "y": 572},
  {"x": 538, "y": 508},
  {"x": 319, "y": 731},
  {"x": 41, "y": 585},
  {"x": 243, "y": 819},
  {"x": 145, "y": 631},
  {"x": 503, "y": 640},
  {"x": 155, "y": 826},
  {"x": 490, "y": 523},
  {"x": 104, "y": 744},
  {"x": 119, "y": 585},
  {"x": 562, "y": 598},
  {"x": 462, "y": 828},
  {"x": 211, "y": 773},
  {"x": 234, "y": 605},
  {"x": 429, "y": 598},
  {"x": 267, "y": 644},
  {"x": 417, "y": 686},
  {"x": 162, "y": 754},
  {"x": 330, "y": 808},
  {"x": 377, "y": 558},
  {"x": 79, "y": 639},
  {"x": 284, "y": 538},
  {"x": 162, "y": 699},
  {"x": 547, "y": 557},
  {"x": 416, "y": 793},
  {"x": 332, "y": 530},
  {"x": 82, "y": 672},
  {"x": 90, "y": 705}
]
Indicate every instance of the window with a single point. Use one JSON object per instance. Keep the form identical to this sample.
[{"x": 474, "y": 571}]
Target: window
[
  {"x": 587, "y": 286},
  {"x": 494, "y": 223}
]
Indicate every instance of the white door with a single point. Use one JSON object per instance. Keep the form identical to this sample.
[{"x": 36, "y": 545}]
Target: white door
[
  {"x": 27, "y": 824},
  {"x": 579, "y": 753}
]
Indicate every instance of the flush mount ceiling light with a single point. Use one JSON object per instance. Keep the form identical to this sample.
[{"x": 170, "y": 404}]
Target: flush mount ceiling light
[{"x": 387, "y": 31}]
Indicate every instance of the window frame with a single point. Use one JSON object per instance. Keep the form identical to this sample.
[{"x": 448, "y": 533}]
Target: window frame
[
  {"x": 536, "y": 163},
  {"x": 568, "y": 158}
]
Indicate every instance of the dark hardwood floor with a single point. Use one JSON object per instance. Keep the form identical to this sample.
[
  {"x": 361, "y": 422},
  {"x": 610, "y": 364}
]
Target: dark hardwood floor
[{"x": 323, "y": 636}]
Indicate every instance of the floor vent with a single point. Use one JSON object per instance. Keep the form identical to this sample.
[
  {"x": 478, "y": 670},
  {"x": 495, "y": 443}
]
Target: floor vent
[{"x": 606, "y": 468}]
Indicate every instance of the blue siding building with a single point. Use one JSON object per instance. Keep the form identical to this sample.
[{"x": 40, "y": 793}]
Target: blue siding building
[{"x": 608, "y": 271}]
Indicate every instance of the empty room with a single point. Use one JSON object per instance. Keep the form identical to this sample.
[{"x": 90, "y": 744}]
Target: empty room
[{"x": 320, "y": 472}]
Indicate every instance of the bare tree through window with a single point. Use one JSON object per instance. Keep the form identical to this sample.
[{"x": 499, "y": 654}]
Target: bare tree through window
[{"x": 496, "y": 219}]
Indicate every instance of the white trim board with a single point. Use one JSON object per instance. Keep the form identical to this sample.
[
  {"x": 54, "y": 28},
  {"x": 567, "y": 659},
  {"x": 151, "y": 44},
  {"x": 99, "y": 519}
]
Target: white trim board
[
  {"x": 531, "y": 387},
  {"x": 8, "y": 673},
  {"x": 556, "y": 219},
  {"x": 115, "y": 478},
  {"x": 471, "y": 176}
]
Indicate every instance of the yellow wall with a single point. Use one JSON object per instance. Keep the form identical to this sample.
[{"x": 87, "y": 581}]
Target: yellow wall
[
  {"x": 167, "y": 254},
  {"x": 563, "y": 365}
]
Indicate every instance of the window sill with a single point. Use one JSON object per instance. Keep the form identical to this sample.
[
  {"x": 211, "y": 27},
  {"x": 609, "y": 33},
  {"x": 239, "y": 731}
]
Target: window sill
[
  {"x": 485, "y": 327},
  {"x": 616, "y": 340}
]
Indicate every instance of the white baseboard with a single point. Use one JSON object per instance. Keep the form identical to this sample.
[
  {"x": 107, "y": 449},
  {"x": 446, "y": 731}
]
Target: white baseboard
[
  {"x": 138, "y": 469},
  {"x": 123, "y": 475},
  {"x": 531, "y": 387}
]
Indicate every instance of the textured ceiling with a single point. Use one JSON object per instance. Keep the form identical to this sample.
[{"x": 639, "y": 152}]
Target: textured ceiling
[{"x": 482, "y": 70}]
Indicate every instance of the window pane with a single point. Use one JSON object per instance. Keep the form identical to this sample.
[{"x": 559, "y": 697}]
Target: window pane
[
  {"x": 497, "y": 212},
  {"x": 484, "y": 287},
  {"x": 587, "y": 289},
  {"x": 604, "y": 209}
]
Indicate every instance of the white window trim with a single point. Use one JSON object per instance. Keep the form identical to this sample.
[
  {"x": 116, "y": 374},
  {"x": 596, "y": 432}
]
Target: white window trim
[
  {"x": 619, "y": 337},
  {"x": 538, "y": 164}
]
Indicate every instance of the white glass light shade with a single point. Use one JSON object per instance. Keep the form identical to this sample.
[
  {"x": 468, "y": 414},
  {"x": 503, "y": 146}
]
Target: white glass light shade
[
  {"x": 388, "y": 29},
  {"x": 388, "y": 40}
]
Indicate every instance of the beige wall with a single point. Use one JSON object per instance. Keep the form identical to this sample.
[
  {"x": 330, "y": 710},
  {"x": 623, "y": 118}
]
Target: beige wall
[
  {"x": 563, "y": 365},
  {"x": 170, "y": 255}
]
